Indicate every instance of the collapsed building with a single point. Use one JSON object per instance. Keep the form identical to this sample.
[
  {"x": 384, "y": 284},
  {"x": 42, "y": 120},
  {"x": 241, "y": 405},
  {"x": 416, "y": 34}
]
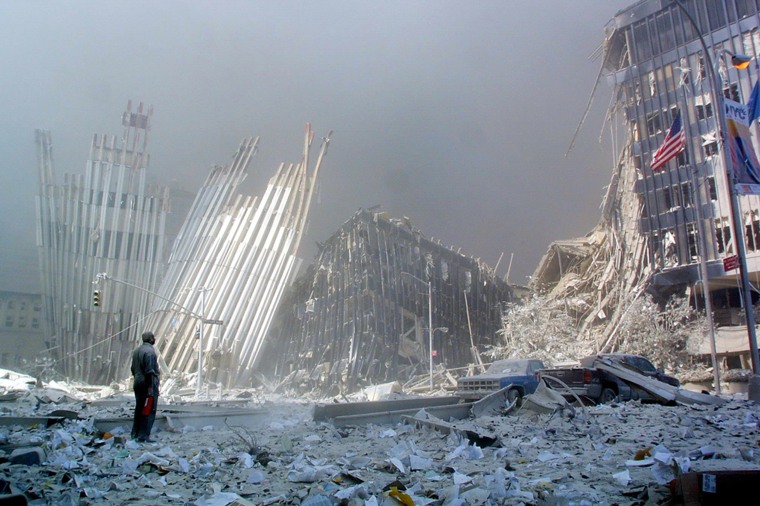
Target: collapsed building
[
  {"x": 383, "y": 303},
  {"x": 108, "y": 219},
  {"x": 229, "y": 266},
  {"x": 102, "y": 242}
]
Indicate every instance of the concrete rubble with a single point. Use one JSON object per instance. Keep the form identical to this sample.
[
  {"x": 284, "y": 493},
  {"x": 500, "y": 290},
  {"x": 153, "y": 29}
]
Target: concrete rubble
[{"x": 628, "y": 453}]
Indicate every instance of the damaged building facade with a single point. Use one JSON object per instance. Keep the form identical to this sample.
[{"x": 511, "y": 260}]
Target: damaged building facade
[
  {"x": 229, "y": 266},
  {"x": 108, "y": 219},
  {"x": 658, "y": 68},
  {"x": 380, "y": 304},
  {"x": 658, "y": 227},
  {"x": 110, "y": 269}
]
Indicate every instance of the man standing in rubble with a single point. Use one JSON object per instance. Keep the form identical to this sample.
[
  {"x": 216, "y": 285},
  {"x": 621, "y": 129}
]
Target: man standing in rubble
[{"x": 146, "y": 380}]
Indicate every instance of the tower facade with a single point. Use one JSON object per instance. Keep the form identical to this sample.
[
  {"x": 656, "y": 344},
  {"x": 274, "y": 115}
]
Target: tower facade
[
  {"x": 655, "y": 60},
  {"x": 107, "y": 220}
]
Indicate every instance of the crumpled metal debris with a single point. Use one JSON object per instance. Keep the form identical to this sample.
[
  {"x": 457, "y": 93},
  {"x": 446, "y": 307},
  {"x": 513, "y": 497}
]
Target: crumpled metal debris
[{"x": 535, "y": 457}]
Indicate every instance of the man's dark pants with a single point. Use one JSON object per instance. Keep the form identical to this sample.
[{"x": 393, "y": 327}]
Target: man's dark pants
[{"x": 143, "y": 424}]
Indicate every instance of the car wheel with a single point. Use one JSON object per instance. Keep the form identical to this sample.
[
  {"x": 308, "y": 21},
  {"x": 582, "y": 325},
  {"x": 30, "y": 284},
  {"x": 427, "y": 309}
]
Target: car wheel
[
  {"x": 608, "y": 395},
  {"x": 513, "y": 395}
]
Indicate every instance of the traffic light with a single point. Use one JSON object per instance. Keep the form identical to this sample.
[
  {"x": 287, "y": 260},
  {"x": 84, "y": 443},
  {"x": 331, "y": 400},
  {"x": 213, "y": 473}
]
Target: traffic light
[{"x": 96, "y": 298}]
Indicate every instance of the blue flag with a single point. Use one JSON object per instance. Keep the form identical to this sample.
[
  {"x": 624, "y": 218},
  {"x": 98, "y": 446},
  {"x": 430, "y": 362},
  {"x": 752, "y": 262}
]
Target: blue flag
[{"x": 754, "y": 103}]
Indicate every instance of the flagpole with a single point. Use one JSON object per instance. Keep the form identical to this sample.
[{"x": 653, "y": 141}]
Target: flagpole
[
  {"x": 704, "y": 274},
  {"x": 753, "y": 391},
  {"x": 705, "y": 282}
]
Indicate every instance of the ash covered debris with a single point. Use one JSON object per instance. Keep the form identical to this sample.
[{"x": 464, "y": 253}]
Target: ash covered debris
[
  {"x": 365, "y": 311},
  {"x": 629, "y": 453}
]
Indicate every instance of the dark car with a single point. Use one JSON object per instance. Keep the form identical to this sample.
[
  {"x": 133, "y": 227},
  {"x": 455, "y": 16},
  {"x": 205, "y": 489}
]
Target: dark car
[
  {"x": 636, "y": 362},
  {"x": 520, "y": 373},
  {"x": 603, "y": 386}
]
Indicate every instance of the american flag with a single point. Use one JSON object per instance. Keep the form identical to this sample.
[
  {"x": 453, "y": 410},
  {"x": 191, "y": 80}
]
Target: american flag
[{"x": 675, "y": 142}]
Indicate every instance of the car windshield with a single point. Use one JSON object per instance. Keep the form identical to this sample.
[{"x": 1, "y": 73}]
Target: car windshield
[
  {"x": 510, "y": 367},
  {"x": 640, "y": 363}
]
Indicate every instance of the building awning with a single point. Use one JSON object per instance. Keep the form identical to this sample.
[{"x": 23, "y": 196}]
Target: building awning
[{"x": 728, "y": 341}]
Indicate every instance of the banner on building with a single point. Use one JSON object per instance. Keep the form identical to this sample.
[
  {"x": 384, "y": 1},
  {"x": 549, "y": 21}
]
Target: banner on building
[{"x": 741, "y": 155}]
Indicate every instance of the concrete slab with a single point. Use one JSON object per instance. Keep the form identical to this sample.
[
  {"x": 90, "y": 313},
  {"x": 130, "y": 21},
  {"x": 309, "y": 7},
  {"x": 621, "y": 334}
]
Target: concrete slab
[
  {"x": 491, "y": 404},
  {"x": 187, "y": 406},
  {"x": 325, "y": 412},
  {"x": 481, "y": 440},
  {"x": 457, "y": 411}
]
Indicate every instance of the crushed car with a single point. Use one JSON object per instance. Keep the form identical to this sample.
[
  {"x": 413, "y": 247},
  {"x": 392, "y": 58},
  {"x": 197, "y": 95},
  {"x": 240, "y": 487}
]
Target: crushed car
[
  {"x": 521, "y": 375},
  {"x": 601, "y": 385}
]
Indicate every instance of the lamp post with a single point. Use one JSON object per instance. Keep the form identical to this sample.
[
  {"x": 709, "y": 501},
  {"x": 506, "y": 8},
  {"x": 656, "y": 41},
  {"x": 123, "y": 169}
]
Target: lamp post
[
  {"x": 430, "y": 322},
  {"x": 716, "y": 89},
  {"x": 198, "y": 387},
  {"x": 444, "y": 330},
  {"x": 202, "y": 319}
]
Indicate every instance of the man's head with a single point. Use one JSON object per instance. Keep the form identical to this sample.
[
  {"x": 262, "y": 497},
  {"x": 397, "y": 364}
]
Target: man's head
[{"x": 148, "y": 337}]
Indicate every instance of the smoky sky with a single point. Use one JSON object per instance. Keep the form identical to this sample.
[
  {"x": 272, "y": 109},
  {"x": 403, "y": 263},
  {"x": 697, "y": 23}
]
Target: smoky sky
[{"x": 455, "y": 114}]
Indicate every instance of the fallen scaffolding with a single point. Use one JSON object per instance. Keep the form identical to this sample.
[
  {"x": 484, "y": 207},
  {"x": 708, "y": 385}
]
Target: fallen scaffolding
[
  {"x": 108, "y": 219},
  {"x": 228, "y": 268}
]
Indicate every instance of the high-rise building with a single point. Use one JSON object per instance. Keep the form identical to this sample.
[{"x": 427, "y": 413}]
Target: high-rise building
[{"x": 655, "y": 60}]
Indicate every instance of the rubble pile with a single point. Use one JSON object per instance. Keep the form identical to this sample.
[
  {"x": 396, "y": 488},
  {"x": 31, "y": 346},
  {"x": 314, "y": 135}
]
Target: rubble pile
[{"x": 613, "y": 454}]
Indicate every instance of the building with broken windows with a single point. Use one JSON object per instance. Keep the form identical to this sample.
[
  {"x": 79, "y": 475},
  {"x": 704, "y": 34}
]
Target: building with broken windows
[
  {"x": 658, "y": 226},
  {"x": 21, "y": 336},
  {"x": 383, "y": 303}
]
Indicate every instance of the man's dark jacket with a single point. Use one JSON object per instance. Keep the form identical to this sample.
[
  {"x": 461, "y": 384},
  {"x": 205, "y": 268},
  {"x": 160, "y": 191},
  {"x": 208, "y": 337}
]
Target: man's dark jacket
[{"x": 145, "y": 364}]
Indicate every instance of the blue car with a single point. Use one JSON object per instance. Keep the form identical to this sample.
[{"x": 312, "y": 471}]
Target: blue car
[{"x": 521, "y": 374}]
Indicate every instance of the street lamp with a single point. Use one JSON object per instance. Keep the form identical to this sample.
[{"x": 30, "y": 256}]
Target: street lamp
[
  {"x": 202, "y": 291},
  {"x": 430, "y": 321},
  {"x": 444, "y": 330},
  {"x": 201, "y": 317},
  {"x": 716, "y": 88}
]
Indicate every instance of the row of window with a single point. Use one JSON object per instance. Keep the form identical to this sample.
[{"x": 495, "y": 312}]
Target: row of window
[
  {"x": 11, "y": 322},
  {"x": 667, "y": 242},
  {"x": 22, "y": 305},
  {"x": 123, "y": 201},
  {"x": 679, "y": 194},
  {"x": 671, "y": 28},
  {"x": 111, "y": 244},
  {"x": 658, "y": 121}
]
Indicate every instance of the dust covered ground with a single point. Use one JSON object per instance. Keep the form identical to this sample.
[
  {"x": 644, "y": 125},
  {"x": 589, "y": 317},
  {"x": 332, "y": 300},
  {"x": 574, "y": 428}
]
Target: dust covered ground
[{"x": 624, "y": 453}]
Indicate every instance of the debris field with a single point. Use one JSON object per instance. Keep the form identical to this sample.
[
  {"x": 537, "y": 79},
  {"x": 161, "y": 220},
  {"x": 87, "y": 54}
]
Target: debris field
[{"x": 626, "y": 453}]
